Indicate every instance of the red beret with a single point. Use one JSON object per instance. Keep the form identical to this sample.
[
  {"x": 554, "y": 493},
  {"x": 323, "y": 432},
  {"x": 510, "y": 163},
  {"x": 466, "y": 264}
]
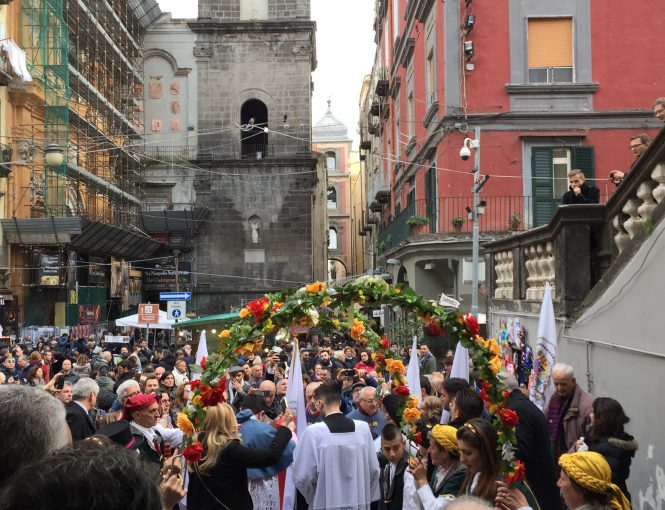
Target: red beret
[{"x": 137, "y": 403}]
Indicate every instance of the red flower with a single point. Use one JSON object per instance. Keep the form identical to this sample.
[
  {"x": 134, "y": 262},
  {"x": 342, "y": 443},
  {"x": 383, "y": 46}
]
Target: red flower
[
  {"x": 472, "y": 325},
  {"x": 402, "y": 391},
  {"x": 509, "y": 417},
  {"x": 203, "y": 362},
  {"x": 516, "y": 475},
  {"x": 418, "y": 438},
  {"x": 505, "y": 393},
  {"x": 212, "y": 397},
  {"x": 483, "y": 394},
  {"x": 203, "y": 388},
  {"x": 258, "y": 308},
  {"x": 193, "y": 452},
  {"x": 194, "y": 384},
  {"x": 384, "y": 342}
]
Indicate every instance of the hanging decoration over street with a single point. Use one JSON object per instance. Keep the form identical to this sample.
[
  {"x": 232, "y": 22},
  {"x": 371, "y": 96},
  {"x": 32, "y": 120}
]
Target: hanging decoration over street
[{"x": 340, "y": 308}]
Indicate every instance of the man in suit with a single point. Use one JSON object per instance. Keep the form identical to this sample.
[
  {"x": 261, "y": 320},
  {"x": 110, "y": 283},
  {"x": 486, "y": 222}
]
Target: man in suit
[
  {"x": 78, "y": 416},
  {"x": 335, "y": 464},
  {"x": 393, "y": 447}
]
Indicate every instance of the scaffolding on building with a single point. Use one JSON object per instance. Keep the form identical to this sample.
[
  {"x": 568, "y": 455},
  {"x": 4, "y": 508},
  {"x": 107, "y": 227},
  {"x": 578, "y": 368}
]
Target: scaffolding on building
[{"x": 88, "y": 57}]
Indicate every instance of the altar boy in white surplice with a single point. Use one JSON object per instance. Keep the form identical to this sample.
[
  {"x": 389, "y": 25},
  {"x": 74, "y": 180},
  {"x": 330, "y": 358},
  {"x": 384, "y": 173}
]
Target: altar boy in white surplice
[{"x": 335, "y": 464}]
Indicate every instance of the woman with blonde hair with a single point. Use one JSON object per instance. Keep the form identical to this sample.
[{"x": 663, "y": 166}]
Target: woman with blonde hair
[
  {"x": 82, "y": 366},
  {"x": 219, "y": 479}
]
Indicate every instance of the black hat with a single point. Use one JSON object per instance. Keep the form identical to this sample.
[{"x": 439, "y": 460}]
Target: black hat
[
  {"x": 120, "y": 433},
  {"x": 391, "y": 403},
  {"x": 235, "y": 369}
]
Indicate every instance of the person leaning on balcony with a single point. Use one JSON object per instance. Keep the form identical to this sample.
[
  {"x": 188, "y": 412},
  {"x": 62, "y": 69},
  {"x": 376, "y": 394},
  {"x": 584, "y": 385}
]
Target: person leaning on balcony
[
  {"x": 638, "y": 144},
  {"x": 580, "y": 192},
  {"x": 659, "y": 109}
]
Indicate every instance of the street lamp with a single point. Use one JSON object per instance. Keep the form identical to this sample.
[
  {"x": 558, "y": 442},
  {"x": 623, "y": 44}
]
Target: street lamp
[{"x": 54, "y": 155}]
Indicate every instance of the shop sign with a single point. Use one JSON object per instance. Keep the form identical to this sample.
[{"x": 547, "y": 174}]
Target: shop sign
[
  {"x": 89, "y": 314},
  {"x": 49, "y": 269},
  {"x": 162, "y": 277}
]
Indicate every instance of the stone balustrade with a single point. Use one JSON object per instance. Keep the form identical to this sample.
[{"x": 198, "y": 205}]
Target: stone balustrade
[
  {"x": 504, "y": 271},
  {"x": 540, "y": 267}
]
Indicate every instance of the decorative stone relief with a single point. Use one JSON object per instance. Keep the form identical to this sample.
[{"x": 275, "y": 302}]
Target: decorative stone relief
[
  {"x": 156, "y": 125},
  {"x": 175, "y": 107},
  {"x": 155, "y": 87},
  {"x": 174, "y": 88},
  {"x": 203, "y": 51},
  {"x": 255, "y": 226},
  {"x": 176, "y": 125}
]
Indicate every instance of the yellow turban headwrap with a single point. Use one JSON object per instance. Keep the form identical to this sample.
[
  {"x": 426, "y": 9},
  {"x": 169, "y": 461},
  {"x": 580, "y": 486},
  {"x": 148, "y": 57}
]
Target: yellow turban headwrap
[
  {"x": 446, "y": 436},
  {"x": 591, "y": 471}
]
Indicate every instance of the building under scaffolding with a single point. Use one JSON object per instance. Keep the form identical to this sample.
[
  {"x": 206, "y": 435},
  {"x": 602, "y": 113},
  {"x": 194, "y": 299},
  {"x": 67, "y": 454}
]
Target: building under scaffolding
[{"x": 86, "y": 98}]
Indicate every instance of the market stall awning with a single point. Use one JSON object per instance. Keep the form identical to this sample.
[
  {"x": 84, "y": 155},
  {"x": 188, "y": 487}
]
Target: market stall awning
[
  {"x": 132, "y": 321},
  {"x": 201, "y": 322}
]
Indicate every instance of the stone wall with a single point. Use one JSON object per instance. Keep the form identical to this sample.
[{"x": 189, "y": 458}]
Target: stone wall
[{"x": 231, "y": 10}]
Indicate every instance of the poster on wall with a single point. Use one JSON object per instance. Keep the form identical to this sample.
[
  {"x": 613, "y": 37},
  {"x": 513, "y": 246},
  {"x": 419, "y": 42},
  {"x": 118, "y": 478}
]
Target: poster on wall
[
  {"x": 117, "y": 279},
  {"x": 89, "y": 314},
  {"x": 96, "y": 271},
  {"x": 49, "y": 269}
]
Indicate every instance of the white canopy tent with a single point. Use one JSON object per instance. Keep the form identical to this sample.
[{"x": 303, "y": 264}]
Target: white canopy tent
[{"x": 133, "y": 322}]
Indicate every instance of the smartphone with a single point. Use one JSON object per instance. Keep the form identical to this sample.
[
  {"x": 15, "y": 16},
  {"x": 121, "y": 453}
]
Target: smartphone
[
  {"x": 262, "y": 393},
  {"x": 350, "y": 372},
  {"x": 59, "y": 382}
]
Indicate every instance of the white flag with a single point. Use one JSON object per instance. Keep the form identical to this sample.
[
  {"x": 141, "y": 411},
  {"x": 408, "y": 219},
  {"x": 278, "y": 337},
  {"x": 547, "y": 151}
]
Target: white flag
[
  {"x": 295, "y": 400},
  {"x": 201, "y": 352},
  {"x": 460, "y": 362},
  {"x": 413, "y": 373},
  {"x": 540, "y": 388}
]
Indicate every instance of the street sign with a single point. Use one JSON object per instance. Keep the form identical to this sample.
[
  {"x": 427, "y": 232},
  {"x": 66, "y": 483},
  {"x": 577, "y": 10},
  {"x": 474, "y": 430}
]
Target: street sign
[
  {"x": 377, "y": 313},
  {"x": 148, "y": 314},
  {"x": 175, "y": 296},
  {"x": 176, "y": 310}
]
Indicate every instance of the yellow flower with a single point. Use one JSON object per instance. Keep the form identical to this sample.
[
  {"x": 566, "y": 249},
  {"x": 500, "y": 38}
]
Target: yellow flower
[
  {"x": 357, "y": 329},
  {"x": 495, "y": 364},
  {"x": 268, "y": 326},
  {"x": 183, "y": 423},
  {"x": 412, "y": 403},
  {"x": 335, "y": 323},
  {"x": 248, "y": 348},
  {"x": 411, "y": 414},
  {"x": 326, "y": 302},
  {"x": 225, "y": 334},
  {"x": 196, "y": 401},
  {"x": 315, "y": 287},
  {"x": 395, "y": 366},
  {"x": 244, "y": 313},
  {"x": 494, "y": 347},
  {"x": 398, "y": 290}
]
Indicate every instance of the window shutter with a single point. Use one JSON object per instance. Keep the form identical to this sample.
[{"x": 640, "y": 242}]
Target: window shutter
[
  {"x": 550, "y": 42},
  {"x": 430, "y": 194},
  {"x": 583, "y": 158},
  {"x": 544, "y": 204}
]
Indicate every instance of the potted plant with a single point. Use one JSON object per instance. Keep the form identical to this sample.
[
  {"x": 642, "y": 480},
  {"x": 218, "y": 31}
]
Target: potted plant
[
  {"x": 418, "y": 223},
  {"x": 457, "y": 223},
  {"x": 514, "y": 221}
]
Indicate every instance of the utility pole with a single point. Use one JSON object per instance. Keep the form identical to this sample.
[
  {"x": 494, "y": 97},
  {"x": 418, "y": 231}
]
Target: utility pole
[{"x": 475, "y": 249}]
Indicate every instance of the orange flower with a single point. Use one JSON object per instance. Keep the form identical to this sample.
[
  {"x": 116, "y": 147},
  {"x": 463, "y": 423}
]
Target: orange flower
[
  {"x": 225, "y": 334},
  {"x": 395, "y": 366},
  {"x": 412, "y": 403},
  {"x": 196, "y": 401},
  {"x": 494, "y": 347},
  {"x": 357, "y": 329},
  {"x": 244, "y": 313},
  {"x": 411, "y": 414},
  {"x": 495, "y": 365},
  {"x": 183, "y": 423},
  {"x": 315, "y": 288},
  {"x": 248, "y": 348}
]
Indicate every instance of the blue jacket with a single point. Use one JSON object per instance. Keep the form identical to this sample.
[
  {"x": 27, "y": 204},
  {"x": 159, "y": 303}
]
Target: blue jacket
[{"x": 257, "y": 434}]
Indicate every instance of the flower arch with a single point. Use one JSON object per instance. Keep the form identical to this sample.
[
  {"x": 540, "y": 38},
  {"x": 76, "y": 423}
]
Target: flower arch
[{"x": 339, "y": 308}]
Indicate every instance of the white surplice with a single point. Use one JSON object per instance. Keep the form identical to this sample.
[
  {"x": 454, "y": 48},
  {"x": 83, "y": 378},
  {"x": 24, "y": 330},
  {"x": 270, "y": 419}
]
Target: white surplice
[{"x": 337, "y": 471}]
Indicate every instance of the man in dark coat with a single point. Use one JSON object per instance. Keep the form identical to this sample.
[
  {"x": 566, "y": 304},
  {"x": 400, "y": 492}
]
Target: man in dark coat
[
  {"x": 533, "y": 446},
  {"x": 580, "y": 192},
  {"x": 78, "y": 410},
  {"x": 393, "y": 466}
]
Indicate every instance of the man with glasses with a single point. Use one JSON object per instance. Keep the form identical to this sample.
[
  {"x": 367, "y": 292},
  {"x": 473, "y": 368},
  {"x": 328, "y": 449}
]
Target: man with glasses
[
  {"x": 638, "y": 144},
  {"x": 9, "y": 369},
  {"x": 369, "y": 411}
]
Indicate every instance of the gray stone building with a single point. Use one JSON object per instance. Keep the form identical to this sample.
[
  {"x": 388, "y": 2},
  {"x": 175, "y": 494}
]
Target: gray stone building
[{"x": 256, "y": 192}]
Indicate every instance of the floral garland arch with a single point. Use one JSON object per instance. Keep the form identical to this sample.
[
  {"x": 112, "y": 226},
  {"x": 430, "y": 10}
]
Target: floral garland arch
[{"x": 339, "y": 308}]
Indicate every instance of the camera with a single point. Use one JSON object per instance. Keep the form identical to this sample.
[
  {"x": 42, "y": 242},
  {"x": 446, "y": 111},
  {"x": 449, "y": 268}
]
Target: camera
[{"x": 464, "y": 153}]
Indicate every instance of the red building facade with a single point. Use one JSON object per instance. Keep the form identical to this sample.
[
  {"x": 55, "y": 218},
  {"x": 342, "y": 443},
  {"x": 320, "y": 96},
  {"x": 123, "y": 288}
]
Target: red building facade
[{"x": 552, "y": 86}]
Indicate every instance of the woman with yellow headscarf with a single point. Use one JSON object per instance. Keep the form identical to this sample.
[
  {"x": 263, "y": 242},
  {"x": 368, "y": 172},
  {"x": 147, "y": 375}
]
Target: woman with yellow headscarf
[
  {"x": 447, "y": 478},
  {"x": 585, "y": 484}
]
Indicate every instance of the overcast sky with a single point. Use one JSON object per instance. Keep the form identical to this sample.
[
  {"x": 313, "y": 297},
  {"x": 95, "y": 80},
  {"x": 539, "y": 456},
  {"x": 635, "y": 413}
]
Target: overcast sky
[{"x": 344, "y": 50}]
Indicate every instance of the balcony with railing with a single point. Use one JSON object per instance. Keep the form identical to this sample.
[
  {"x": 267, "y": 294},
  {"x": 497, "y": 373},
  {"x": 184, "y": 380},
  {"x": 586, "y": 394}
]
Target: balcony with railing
[
  {"x": 449, "y": 216},
  {"x": 583, "y": 248}
]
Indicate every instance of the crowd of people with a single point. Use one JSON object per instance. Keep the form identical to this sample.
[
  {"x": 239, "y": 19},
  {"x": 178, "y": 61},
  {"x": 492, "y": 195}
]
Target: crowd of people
[{"x": 78, "y": 411}]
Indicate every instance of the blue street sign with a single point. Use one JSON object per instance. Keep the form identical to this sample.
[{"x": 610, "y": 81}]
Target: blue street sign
[{"x": 175, "y": 296}]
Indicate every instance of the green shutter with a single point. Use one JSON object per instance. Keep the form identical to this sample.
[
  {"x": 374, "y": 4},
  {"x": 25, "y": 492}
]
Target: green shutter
[
  {"x": 583, "y": 159},
  {"x": 544, "y": 204},
  {"x": 430, "y": 196}
]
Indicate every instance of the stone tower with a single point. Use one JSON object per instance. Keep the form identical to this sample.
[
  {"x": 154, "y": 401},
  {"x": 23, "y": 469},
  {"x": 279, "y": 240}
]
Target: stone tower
[{"x": 255, "y": 169}]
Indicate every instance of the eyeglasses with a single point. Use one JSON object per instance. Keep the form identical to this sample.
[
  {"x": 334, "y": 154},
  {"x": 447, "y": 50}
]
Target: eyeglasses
[
  {"x": 370, "y": 401},
  {"x": 635, "y": 145}
]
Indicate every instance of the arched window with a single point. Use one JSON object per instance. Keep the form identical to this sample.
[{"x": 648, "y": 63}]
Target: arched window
[
  {"x": 253, "y": 118},
  {"x": 332, "y": 198},
  {"x": 336, "y": 270},
  {"x": 331, "y": 160},
  {"x": 332, "y": 238}
]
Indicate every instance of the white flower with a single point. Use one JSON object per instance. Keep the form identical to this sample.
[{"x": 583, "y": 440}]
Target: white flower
[
  {"x": 508, "y": 452},
  {"x": 313, "y": 314}
]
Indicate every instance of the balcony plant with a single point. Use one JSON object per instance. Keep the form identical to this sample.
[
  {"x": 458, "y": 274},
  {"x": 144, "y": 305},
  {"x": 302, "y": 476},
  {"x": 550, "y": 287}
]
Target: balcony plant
[
  {"x": 514, "y": 221},
  {"x": 457, "y": 223},
  {"x": 418, "y": 223}
]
